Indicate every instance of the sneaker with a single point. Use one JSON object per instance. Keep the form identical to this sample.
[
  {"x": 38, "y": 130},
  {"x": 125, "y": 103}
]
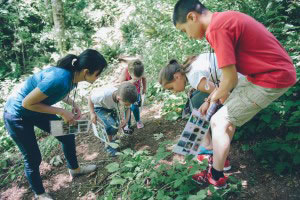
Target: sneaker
[
  {"x": 128, "y": 130},
  {"x": 83, "y": 170},
  {"x": 44, "y": 196},
  {"x": 201, "y": 157},
  {"x": 140, "y": 124},
  {"x": 111, "y": 151},
  {"x": 206, "y": 177}
]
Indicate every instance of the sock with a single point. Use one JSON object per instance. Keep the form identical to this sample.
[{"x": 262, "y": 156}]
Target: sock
[{"x": 216, "y": 174}]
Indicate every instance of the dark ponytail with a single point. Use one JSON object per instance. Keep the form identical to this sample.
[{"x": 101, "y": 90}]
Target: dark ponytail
[
  {"x": 187, "y": 63},
  {"x": 136, "y": 67},
  {"x": 166, "y": 74},
  {"x": 68, "y": 62},
  {"x": 89, "y": 59}
]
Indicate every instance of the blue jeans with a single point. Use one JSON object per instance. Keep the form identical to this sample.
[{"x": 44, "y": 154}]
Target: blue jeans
[
  {"x": 134, "y": 108},
  {"x": 22, "y": 132},
  {"x": 109, "y": 118}
]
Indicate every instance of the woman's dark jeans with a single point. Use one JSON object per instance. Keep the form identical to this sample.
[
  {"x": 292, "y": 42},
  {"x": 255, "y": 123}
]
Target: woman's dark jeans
[{"x": 22, "y": 132}]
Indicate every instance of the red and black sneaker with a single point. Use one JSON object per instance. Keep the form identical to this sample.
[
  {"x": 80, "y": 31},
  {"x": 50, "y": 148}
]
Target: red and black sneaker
[
  {"x": 201, "y": 157},
  {"x": 206, "y": 177}
]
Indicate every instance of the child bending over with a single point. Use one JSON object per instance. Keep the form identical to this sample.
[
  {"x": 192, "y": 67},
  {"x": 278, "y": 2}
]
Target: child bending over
[
  {"x": 105, "y": 102},
  {"x": 203, "y": 74}
]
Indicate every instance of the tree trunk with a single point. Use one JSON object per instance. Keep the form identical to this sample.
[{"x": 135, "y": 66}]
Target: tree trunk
[
  {"x": 59, "y": 25},
  {"x": 48, "y": 7}
]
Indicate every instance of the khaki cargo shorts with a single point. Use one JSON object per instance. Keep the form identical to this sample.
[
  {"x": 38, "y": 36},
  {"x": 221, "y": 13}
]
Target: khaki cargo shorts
[{"x": 246, "y": 100}]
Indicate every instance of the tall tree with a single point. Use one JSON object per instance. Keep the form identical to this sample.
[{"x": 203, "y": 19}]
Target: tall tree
[
  {"x": 59, "y": 24},
  {"x": 47, "y": 4}
]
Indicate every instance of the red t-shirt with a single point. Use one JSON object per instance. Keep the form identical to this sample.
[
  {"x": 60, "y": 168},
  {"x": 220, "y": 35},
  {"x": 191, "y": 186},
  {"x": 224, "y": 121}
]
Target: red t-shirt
[{"x": 239, "y": 39}]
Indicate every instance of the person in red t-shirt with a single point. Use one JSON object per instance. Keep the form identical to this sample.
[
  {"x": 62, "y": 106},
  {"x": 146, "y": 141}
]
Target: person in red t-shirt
[
  {"x": 134, "y": 73},
  {"x": 241, "y": 45}
]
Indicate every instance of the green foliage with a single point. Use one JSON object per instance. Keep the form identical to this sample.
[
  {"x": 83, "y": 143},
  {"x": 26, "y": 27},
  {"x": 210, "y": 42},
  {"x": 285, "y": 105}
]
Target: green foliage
[
  {"x": 142, "y": 176},
  {"x": 153, "y": 36},
  {"x": 155, "y": 91},
  {"x": 9, "y": 159},
  {"x": 6, "y": 142},
  {"x": 173, "y": 106},
  {"x": 21, "y": 25},
  {"x": 11, "y": 173},
  {"x": 47, "y": 145},
  {"x": 79, "y": 29},
  {"x": 109, "y": 12},
  {"x": 111, "y": 52},
  {"x": 282, "y": 154},
  {"x": 130, "y": 31},
  {"x": 27, "y": 38}
]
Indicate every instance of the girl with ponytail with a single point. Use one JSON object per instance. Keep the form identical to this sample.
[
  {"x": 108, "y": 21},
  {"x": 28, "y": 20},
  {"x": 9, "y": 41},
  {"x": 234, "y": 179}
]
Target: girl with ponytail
[
  {"x": 32, "y": 105},
  {"x": 202, "y": 73}
]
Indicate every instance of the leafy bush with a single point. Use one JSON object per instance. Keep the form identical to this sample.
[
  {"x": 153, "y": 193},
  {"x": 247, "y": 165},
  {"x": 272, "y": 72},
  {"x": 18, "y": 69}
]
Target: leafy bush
[
  {"x": 20, "y": 26},
  {"x": 6, "y": 142},
  {"x": 173, "y": 106},
  {"x": 282, "y": 154},
  {"x": 27, "y": 38},
  {"x": 142, "y": 176},
  {"x": 130, "y": 31},
  {"x": 112, "y": 52}
]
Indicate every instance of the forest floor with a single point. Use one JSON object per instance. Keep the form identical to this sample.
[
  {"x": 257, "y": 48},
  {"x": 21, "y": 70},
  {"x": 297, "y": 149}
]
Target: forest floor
[{"x": 257, "y": 182}]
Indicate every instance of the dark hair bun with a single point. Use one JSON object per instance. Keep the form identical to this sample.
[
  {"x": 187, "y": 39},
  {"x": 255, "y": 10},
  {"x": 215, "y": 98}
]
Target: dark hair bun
[{"x": 173, "y": 61}]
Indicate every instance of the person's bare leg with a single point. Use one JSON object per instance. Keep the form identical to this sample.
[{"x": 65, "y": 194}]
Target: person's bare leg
[
  {"x": 231, "y": 131},
  {"x": 222, "y": 133},
  {"x": 207, "y": 142}
]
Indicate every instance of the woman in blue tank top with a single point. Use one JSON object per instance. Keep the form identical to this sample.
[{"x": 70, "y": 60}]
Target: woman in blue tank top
[{"x": 31, "y": 106}]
